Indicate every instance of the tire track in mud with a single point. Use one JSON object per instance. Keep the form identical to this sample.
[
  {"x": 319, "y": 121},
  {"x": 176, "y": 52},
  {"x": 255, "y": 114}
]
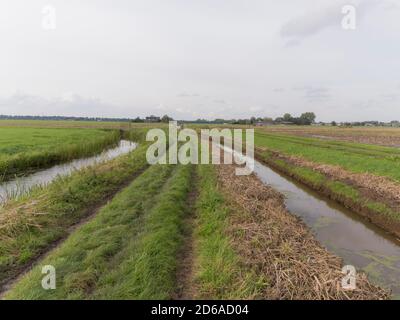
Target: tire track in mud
[
  {"x": 90, "y": 214},
  {"x": 186, "y": 289}
]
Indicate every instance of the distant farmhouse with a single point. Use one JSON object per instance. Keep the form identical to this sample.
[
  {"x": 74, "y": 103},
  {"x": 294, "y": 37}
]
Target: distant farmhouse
[
  {"x": 395, "y": 123},
  {"x": 153, "y": 119},
  {"x": 264, "y": 123}
]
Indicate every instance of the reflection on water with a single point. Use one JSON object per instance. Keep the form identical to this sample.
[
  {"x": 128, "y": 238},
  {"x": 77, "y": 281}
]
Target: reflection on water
[
  {"x": 341, "y": 231},
  {"x": 21, "y": 185}
]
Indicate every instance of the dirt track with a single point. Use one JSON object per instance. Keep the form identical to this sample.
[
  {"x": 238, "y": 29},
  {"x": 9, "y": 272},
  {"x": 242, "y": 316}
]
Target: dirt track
[
  {"x": 89, "y": 214},
  {"x": 184, "y": 276}
]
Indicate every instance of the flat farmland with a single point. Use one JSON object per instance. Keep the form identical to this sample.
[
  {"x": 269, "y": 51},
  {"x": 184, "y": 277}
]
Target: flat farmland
[
  {"x": 385, "y": 136},
  {"x": 364, "y": 177},
  {"x": 24, "y": 149},
  {"x": 125, "y": 229},
  {"x": 68, "y": 124}
]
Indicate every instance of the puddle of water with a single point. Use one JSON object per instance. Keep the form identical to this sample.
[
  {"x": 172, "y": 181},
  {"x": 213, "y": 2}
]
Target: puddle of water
[
  {"x": 341, "y": 231},
  {"x": 22, "y": 185}
]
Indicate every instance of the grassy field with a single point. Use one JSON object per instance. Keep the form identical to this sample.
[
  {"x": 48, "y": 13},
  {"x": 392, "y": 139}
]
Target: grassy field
[
  {"x": 74, "y": 124},
  {"x": 24, "y": 149},
  {"x": 131, "y": 248},
  {"x": 32, "y": 223},
  {"x": 354, "y": 157},
  {"x": 128, "y": 250},
  {"x": 363, "y": 177},
  {"x": 386, "y": 136},
  {"x": 126, "y": 230}
]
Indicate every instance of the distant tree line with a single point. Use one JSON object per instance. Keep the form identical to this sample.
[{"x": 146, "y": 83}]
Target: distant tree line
[
  {"x": 306, "y": 118},
  {"x": 163, "y": 119},
  {"x": 63, "y": 118}
]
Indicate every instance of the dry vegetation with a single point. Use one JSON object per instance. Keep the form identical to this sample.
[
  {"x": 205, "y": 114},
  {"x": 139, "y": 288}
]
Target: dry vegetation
[
  {"x": 380, "y": 136},
  {"x": 280, "y": 246}
]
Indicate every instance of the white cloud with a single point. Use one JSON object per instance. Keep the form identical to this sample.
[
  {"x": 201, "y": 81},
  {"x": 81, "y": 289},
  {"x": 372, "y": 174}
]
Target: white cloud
[
  {"x": 322, "y": 17},
  {"x": 200, "y": 59},
  {"x": 68, "y": 105}
]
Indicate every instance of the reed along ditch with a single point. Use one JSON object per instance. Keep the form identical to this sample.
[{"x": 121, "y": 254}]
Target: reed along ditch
[
  {"x": 21, "y": 185},
  {"x": 341, "y": 231}
]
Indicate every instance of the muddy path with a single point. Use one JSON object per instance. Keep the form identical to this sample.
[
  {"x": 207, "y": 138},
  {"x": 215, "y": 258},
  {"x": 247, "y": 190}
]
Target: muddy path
[
  {"x": 186, "y": 258},
  {"x": 89, "y": 215}
]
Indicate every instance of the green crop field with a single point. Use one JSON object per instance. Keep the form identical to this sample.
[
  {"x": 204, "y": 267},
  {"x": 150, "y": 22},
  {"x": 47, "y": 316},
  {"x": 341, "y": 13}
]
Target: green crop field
[
  {"x": 384, "y": 161},
  {"x": 125, "y": 229},
  {"x": 22, "y": 149},
  {"x": 68, "y": 124},
  {"x": 364, "y": 177}
]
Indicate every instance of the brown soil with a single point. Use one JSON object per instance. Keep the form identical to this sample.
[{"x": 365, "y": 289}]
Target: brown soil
[
  {"x": 386, "y": 141},
  {"x": 389, "y": 137},
  {"x": 186, "y": 289},
  {"x": 278, "y": 245},
  {"x": 91, "y": 212}
]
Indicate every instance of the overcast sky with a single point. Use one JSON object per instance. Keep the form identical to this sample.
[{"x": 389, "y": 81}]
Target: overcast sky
[{"x": 200, "y": 58}]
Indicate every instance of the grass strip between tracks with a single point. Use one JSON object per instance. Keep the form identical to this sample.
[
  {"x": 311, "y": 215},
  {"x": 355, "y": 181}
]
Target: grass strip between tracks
[
  {"x": 128, "y": 251},
  {"x": 31, "y": 224},
  {"x": 219, "y": 273}
]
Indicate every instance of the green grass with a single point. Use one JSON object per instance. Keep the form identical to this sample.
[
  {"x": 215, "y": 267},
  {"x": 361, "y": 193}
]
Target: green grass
[
  {"x": 30, "y": 224},
  {"x": 345, "y": 190},
  {"x": 354, "y": 157},
  {"x": 150, "y": 271},
  {"x": 358, "y": 158},
  {"x": 339, "y": 189},
  {"x": 383, "y": 209},
  {"x": 77, "y": 124},
  {"x": 219, "y": 272},
  {"x": 308, "y": 175},
  {"x": 23, "y": 149},
  {"x": 128, "y": 251}
]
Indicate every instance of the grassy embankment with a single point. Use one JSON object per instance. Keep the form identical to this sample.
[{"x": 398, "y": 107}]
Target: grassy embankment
[
  {"x": 351, "y": 157},
  {"x": 24, "y": 149},
  {"x": 128, "y": 251},
  {"x": 31, "y": 224},
  {"x": 219, "y": 273}
]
